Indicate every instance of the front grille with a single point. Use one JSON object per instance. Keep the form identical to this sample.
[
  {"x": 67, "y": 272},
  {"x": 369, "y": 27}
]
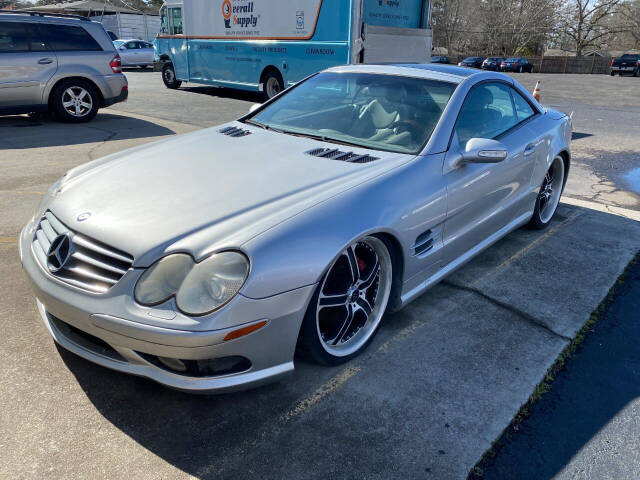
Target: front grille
[
  {"x": 91, "y": 265},
  {"x": 84, "y": 339},
  {"x": 337, "y": 154}
]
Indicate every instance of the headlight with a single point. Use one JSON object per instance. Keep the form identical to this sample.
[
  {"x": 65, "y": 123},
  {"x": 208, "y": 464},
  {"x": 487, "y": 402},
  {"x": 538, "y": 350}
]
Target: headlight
[
  {"x": 48, "y": 197},
  {"x": 212, "y": 283},
  {"x": 163, "y": 279}
]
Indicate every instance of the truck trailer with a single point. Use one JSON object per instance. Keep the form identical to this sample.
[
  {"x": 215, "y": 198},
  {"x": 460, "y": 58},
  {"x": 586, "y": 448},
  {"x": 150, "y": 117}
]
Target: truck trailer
[{"x": 268, "y": 45}]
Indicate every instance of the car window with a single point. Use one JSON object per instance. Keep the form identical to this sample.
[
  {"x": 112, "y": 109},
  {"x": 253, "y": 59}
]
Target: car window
[
  {"x": 36, "y": 39},
  {"x": 487, "y": 113},
  {"x": 13, "y": 37},
  {"x": 132, "y": 45},
  {"x": 383, "y": 112},
  {"x": 69, "y": 38},
  {"x": 523, "y": 108}
]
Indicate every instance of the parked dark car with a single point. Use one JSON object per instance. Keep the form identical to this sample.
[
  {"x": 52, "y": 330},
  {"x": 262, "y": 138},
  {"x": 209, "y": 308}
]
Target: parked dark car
[
  {"x": 627, "y": 63},
  {"x": 439, "y": 59},
  {"x": 472, "y": 62},
  {"x": 516, "y": 64},
  {"x": 492, "y": 63}
]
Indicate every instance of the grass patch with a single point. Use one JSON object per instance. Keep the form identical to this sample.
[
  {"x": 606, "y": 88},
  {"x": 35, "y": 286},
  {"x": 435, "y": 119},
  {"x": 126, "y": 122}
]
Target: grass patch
[{"x": 545, "y": 385}]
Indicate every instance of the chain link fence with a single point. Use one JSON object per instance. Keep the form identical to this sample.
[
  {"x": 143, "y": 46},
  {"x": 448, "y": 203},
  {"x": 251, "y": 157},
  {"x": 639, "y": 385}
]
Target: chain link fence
[{"x": 559, "y": 64}]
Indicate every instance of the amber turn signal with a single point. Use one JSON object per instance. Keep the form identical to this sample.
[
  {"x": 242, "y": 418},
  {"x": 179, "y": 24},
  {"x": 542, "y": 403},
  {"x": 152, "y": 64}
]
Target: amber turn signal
[{"x": 241, "y": 332}]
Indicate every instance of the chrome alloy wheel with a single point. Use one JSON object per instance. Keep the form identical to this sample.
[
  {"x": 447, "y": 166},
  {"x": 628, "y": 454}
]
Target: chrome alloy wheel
[
  {"x": 77, "y": 101},
  {"x": 353, "y": 297},
  {"x": 272, "y": 87},
  {"x": 551, "y": 190}
]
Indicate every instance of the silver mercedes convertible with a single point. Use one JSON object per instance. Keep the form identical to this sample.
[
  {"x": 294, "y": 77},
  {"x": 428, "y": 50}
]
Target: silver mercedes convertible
[{"x": 206, "y": 261}]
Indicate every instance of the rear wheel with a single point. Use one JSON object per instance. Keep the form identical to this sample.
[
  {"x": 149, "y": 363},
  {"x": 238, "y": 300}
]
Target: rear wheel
[
  {"x": 346, "y": 309},
  {"x": 169, "y": 77},
  {"x": 75, "y": 101},
  {"x": 272, "y": 84},
  {"x": 549, "y": 195}
]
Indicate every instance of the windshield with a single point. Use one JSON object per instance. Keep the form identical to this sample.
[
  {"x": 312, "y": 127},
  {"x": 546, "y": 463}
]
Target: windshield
[
  {"x": 382, "y": 112},
  {"x": 494, "y": 59},
  {"x": 629, "y": 56}
]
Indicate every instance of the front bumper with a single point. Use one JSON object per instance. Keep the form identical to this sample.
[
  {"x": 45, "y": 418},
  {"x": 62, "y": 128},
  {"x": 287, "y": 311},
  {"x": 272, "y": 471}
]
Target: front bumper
[{"x": 126, "y": 334}]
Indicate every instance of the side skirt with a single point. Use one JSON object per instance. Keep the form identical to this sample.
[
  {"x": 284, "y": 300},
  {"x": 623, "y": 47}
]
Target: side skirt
[{"x": 411, "y": 295}]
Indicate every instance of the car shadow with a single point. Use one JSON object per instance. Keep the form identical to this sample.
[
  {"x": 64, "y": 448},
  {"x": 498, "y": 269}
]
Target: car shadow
[
  {"x": 23, "y": 131},
  {"x": 205, "y": 435}
]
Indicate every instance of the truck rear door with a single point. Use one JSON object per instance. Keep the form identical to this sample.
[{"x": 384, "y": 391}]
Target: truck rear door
[{"x": 396, "y": 31}]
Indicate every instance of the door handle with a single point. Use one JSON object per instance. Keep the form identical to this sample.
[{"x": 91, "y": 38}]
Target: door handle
[
  {"x": 45, "y": 61},
  {"x": 531, "y": 148}
]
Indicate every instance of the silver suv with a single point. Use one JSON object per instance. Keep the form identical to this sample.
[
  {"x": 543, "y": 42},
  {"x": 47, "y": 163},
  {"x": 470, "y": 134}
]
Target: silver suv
[{"x": 51, "y": 62}]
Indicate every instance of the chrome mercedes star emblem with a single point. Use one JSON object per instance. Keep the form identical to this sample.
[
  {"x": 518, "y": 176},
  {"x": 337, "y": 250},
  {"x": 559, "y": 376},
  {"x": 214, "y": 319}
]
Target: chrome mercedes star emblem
[
  {"x": 59, "y": 252},
  {"x": 83, "y": 216}
]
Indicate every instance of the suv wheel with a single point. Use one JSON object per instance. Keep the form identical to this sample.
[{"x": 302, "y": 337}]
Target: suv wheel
[
  {"x": 75, "y": 101},
  {"x": 169, "y": 77}
]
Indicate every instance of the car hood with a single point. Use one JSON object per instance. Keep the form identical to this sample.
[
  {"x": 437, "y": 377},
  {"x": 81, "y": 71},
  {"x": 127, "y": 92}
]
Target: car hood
[{"x": 205, "y": 191}]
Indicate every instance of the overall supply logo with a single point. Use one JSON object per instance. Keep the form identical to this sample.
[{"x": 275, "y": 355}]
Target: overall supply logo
[
  {"x": 238, "y": 14},
  {"x": 391, "y": 3}
]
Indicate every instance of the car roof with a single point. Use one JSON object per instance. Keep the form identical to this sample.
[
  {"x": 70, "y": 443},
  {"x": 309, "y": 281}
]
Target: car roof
[
  {"x": 43, "y": 18},
  {"x": 445, "y": 73}
]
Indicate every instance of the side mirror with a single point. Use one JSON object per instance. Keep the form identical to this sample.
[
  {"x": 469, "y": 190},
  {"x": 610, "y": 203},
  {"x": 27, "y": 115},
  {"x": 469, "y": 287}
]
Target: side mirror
[
  {"x": 254, "y": 107},
  {"x": 122, "y": 48},
  {"x": 484, "y": 150}
]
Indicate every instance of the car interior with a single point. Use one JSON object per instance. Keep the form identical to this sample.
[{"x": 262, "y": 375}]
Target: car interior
[{"x": 375, "y": 111}]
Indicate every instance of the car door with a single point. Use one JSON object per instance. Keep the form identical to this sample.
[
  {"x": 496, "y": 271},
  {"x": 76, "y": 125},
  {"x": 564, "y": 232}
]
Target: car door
[
  {"x": 26, "y": 65},
  {"x": 146, "y": 53},
  {"x": 128, "y": 53},
  {"x": 483, "y": 199}
]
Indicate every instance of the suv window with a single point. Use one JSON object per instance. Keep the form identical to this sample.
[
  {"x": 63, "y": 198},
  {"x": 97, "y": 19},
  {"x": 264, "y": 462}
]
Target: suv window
[
  {"x": 69, "y": 38},
  {"x": 36, "y": 39},
  {"x": 13, "y": 37},
  {"x": 487, "y": 113},
  {"x": 523, "y": 109},
  {"x": 132, "y": 45}
]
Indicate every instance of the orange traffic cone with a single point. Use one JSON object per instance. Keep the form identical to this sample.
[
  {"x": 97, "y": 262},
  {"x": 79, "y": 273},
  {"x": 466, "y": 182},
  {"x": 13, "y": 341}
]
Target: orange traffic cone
[{"x": 536, "y": 91}]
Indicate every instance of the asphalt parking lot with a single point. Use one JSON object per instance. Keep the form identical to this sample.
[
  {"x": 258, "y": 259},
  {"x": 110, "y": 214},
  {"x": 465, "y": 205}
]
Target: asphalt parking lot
[{"x": 438, "y": 385}]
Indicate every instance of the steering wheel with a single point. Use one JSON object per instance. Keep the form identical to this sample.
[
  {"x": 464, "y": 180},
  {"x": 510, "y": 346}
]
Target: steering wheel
[{"x": 413, "y": 127}]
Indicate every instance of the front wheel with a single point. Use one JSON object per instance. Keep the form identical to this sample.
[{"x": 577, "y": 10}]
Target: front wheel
[
  {"x": 549, "y": 195},
  {"x": 346, "y": 309},
  {"x": 169, "y": 77}
]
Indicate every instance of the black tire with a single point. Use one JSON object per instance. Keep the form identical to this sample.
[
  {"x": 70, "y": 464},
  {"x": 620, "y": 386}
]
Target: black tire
[
  {"x": 169, "y": 77},
  {"x": 613, "y": 74},
  {"x": 272, "y": 84},
  {"x": 542, "y": 218},
  {"x": 61, "y": 94},
  {"x": 310, "y": 345}
]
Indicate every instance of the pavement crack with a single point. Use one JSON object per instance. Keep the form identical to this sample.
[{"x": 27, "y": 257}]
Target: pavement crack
[
  {"x": 510, "y": 308},
  {"x": 110, "y": 135}
]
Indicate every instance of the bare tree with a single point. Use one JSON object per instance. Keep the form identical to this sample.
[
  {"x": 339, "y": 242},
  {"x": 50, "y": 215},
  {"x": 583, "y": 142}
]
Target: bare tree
[{"x": 585, "y": 22}]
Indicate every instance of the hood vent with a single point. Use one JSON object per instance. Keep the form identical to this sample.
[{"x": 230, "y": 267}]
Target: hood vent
[
  {"x": 336, "y": 154},
  {"x": 234, "y": 132}
]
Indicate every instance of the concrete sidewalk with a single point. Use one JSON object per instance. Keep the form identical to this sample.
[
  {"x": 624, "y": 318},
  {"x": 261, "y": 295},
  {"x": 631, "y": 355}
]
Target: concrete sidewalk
[{"x": 439, "y": 383}]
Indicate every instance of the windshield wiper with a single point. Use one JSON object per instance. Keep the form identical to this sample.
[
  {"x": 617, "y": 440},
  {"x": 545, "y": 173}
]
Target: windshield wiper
[
  {"x": 321, "y": 138},
  {"x": 262, "y": 125}
]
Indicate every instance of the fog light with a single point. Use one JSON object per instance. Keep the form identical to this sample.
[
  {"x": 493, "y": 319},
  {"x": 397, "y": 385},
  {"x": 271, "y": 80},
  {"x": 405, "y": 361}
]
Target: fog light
[{"x": 241, "y": 332}]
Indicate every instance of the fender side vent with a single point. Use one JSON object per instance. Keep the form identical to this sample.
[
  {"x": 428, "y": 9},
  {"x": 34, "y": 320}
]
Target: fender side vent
[
  {"x": 337, "y": 154},
  {"x": 424, "y": 243},
  {"x": 234, "y": 132}
]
